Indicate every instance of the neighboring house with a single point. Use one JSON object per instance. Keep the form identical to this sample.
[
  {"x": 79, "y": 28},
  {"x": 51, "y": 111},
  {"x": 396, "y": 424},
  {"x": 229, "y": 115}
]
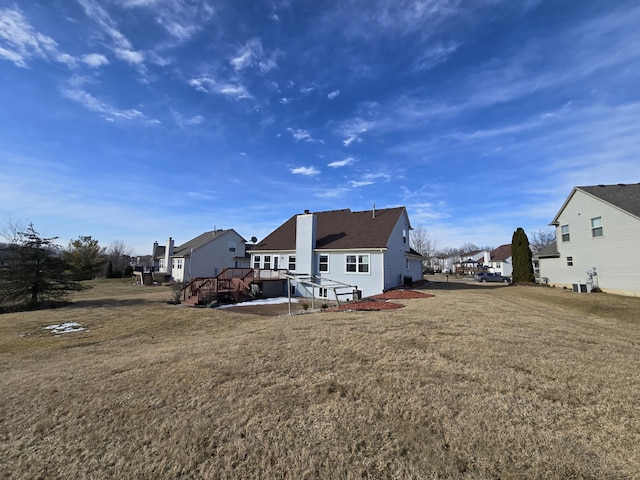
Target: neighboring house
[
  {"x": 203, "y": 256},
  {"x": 472, "y": 262},
  {"x": 500, "y": 260},
  {"x": 368, "y": 251},
  {"x": 597, "y": 240}
]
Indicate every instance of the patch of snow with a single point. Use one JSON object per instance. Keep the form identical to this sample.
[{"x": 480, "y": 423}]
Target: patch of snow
[
  {"x": 262, "y": 301},
  {"x": 67, "y": 327}
]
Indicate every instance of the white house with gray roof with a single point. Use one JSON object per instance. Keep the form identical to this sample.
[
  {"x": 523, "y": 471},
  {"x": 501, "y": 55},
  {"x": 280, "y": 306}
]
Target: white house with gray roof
[
  {"x": 203, "y": 256},
  {"x": 366, "y": 250},
  {"x": 597, "y": 240}
]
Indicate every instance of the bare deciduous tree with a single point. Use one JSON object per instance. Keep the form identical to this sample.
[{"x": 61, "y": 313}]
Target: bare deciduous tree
[
  {"x": 12, "y": 230},
  {"x": 541, "y": 239},
  {"x": 422, "y": 243},
  {"x": 119, "y": 255}
]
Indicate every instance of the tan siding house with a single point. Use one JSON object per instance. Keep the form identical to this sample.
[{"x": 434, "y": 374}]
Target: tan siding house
[{"x": 597, "y": 230}]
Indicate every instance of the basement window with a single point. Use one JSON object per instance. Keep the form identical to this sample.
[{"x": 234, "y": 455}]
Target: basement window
[{"x": 596, "y": 227}]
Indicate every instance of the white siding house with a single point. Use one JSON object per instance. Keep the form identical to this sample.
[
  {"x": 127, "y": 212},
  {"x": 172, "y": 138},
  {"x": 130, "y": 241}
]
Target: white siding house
[
  {"x": 501, "y": 261},
  {"x": 366, "y": 250},
  {"x": 203, "y": 256},
  {"x": 597, "y": 230}
]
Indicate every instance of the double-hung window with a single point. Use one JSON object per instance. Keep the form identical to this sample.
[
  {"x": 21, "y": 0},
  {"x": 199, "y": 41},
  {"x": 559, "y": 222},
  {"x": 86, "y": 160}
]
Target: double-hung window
[
  {"x": 323, "y": 263},
  {"x": 564, "y": 230},
  {"x": 596, "y": 227},
  {"x": 267, "y": 262},
  {"x": 569, "y": 261},
  {"x": 256, "y": 262},
  {"x": 292, "y": 263},
  {"x": 357, "y": 263}
]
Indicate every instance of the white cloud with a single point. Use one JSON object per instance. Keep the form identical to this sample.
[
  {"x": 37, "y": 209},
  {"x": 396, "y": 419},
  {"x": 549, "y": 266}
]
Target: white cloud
[
  {"x": 369, "y": 179},
  {"x": 130, "y": 56},
  {"x": 187, "y": 122},
  {"x": 342, "y": 163},
  {"x": 436, "y": 55},
  {"x": 309, "y": 171},
  {"x": 360, "y": 183},
  {"x": 95, "y": 60},
  {"x": 207, "y": 84},
  {"x": 285, "y": 100},
  {"x": 352, "y": 129},
  {"x": 236, "y": 92},
  {"x": 300, "y": 134},
  {"x": 95, "y": 12},
  {"x": 332, "y": 193},
  {"x": 180, "y": 19},
  {"x": 333, "y": 94},
  {"x": 12, "y": 56},
  {"x": 22, "y": 42},
  {"x": 252, "y": 54},
  {"x": 77, "y": 94}
]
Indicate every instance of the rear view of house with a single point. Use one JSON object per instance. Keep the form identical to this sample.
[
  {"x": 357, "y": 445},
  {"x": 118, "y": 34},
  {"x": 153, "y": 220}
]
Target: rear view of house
[
  {"x": 597, "y": 240},
  {"x": 203, "y": 256},
  {"x": 368, "y": 251}
]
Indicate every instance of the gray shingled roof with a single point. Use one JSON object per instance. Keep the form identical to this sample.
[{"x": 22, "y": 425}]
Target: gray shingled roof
[
  {"x": 624, "y": 196},
  {"x": 339, "y": 229},
  {"x": 550, "y": 251},
  {"x": 197, "y": 242}
]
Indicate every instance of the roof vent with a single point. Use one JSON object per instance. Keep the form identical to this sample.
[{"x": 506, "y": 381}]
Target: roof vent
[{"x": 306, "y": 212}]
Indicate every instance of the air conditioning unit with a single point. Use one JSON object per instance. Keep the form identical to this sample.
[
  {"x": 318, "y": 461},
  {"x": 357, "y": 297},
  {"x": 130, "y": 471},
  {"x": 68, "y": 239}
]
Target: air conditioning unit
[{"x": 580, "y": 288}]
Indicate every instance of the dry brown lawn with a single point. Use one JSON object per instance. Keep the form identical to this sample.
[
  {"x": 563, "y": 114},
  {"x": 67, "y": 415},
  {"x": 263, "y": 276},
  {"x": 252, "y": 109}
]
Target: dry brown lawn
[{"x": 473, "y": 383}]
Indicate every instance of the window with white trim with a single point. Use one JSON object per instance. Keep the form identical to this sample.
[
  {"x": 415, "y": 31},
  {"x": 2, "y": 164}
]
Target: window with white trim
[
  {"x": 323, "y": 263},
  {"x": 357, "y": 263},
  {"x": 256, "y": 262},
  {"x": 564, "y": 230},
  {"x": 596, "y": 227},
  {"x": 161, "y": 264},
  {"x": 267, "y": 262},
  {"x": 404, "y": 236},
  {"x": 177, "y": 263},
  {"x": 292, "y": 263},
  {"x": 569, "y": 261}
]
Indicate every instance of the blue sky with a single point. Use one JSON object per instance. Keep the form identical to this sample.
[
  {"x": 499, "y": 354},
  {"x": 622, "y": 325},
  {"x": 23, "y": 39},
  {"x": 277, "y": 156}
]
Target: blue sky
[{"x": 136, "y": 120}]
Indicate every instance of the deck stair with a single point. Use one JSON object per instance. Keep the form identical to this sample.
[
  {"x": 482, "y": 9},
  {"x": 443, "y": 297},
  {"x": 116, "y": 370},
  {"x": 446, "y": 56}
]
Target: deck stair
[{"x": 232, "y": 284}]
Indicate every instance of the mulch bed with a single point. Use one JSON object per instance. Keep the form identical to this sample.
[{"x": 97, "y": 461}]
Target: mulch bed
[
  {"x": 380, "y": 302},
  {"x": 400, "y": 294}
]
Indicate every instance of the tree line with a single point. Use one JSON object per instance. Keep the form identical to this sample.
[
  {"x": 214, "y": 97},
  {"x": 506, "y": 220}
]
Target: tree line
[{"x": 36, "y": 272}]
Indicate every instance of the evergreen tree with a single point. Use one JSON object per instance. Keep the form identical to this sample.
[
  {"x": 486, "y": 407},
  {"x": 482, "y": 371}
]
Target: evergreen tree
[
  {"x": 33, "y": 273},
  {"x": 85, "y": 258},
  {"x": 109, "y": 273},
  {"x": 521, "y": 255}
]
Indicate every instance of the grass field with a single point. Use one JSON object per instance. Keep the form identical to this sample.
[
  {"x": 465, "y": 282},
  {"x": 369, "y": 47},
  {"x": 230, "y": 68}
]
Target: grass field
[{"x": 473, "y": 383}]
